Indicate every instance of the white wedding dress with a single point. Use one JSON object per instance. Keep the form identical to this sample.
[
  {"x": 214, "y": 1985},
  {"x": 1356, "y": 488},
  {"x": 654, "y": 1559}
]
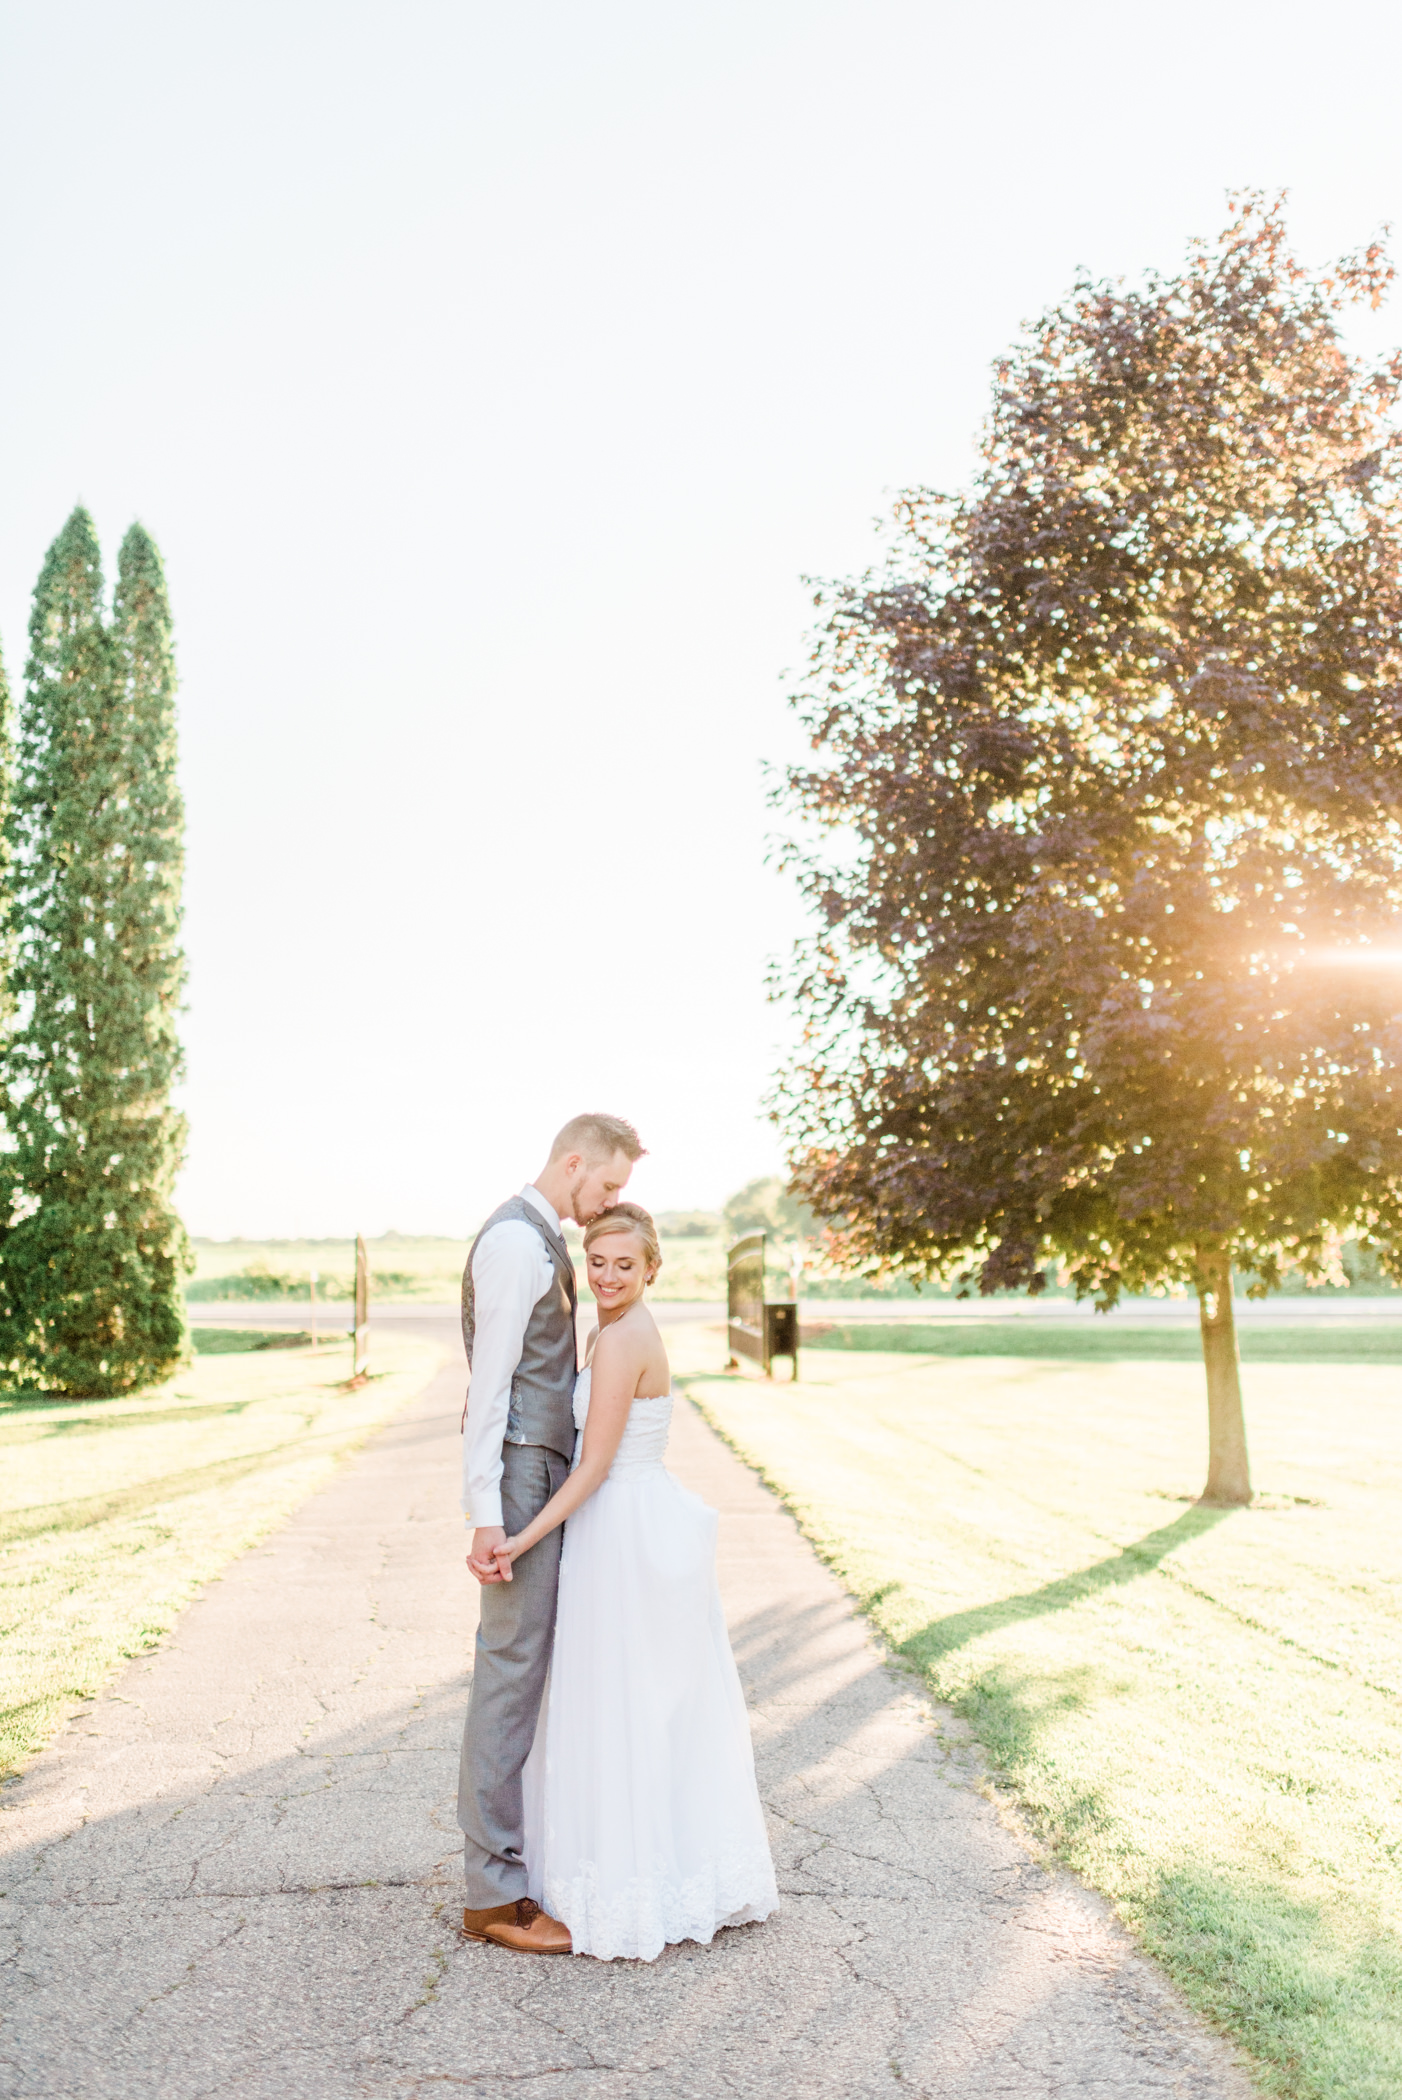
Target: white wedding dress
[{"x": 643, "y": 1822}]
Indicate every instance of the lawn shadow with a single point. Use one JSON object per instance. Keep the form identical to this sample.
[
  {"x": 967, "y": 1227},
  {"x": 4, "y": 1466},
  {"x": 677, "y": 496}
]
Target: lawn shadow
[{"x": 941, "y": 1636}]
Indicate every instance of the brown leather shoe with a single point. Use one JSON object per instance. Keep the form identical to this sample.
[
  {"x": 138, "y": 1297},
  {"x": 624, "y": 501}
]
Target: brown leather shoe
[{"x": 522, "y": 1925}]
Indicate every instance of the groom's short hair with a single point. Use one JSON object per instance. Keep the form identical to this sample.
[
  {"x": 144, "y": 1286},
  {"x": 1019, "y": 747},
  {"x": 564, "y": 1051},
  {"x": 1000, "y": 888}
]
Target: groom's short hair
[{"x": 598, "y": 1138}]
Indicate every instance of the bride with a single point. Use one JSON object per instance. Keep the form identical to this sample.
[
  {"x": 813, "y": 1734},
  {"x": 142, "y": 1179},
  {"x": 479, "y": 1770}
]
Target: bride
[{"x": 643, "y": 1823}]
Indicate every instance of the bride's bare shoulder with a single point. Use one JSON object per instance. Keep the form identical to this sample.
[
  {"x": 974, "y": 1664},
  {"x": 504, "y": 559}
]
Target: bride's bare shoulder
[
  {"x": 618, "y": 1339},
  {"x": 629, "y": 1340}
]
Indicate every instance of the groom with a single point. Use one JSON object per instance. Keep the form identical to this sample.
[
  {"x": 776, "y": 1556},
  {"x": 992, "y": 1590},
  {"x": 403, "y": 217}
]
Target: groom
[{"x": 518, "y": 1324}]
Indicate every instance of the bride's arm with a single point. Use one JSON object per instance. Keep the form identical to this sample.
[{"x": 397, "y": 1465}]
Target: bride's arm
[{"x": 619, "y": 1361}]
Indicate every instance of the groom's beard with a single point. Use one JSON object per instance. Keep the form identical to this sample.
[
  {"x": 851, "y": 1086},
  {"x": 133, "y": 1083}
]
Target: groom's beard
[{"x": 574, "y": 1206}]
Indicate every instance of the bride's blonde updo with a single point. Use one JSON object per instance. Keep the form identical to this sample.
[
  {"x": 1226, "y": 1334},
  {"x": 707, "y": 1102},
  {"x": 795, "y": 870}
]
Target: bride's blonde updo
[{"x": 627, "y": 1217}]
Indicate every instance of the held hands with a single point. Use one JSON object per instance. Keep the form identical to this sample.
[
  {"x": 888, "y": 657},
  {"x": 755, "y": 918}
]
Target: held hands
[
  {"x": 492, "y": 1554},
  {"x": 488, "y": 1559}
]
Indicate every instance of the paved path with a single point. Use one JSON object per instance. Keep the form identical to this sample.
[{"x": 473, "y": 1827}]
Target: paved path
[{"x": 236, "y": 1873}]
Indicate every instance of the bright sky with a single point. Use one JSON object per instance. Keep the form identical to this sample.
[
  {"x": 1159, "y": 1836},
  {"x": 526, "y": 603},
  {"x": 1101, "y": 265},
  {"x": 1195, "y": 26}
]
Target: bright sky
[{"x": 490, "y": 376}]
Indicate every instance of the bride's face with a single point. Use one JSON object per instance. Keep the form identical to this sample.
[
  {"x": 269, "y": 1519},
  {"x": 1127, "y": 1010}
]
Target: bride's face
[{"x": 618, "y": 1271}]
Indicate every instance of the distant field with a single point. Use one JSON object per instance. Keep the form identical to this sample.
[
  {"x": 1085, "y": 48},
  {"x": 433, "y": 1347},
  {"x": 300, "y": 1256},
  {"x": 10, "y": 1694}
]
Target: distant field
[
  {"x": 113, "y": 1513},
  {"x": 251, "y": 1271},
  {"x": 405, "y": 1268},
  {"x": 1110, "y": 1340},
  {"x": 402, "y": 1270},
  {"x": 1202, "y": 1710}
]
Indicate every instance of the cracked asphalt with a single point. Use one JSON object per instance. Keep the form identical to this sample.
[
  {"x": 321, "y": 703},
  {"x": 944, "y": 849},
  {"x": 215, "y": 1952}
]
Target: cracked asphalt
[{"x": 236, "y": 1873}]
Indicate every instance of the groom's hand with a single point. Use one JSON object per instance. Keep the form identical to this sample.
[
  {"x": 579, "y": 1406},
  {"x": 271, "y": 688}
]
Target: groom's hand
[{"x": 482, "y": 1560}]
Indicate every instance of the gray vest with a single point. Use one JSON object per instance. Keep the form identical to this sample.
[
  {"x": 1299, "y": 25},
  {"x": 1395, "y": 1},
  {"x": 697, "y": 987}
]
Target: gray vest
[{"x": 541, "y": 1409}]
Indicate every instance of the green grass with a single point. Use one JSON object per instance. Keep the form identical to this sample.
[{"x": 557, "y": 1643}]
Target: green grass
[
  {"x": 1198, "y": 1709},
  {"x": 244, "y": 1341},
  {"x": 1107, "y": 1340},
  {"x": 113, "y": 1513}
]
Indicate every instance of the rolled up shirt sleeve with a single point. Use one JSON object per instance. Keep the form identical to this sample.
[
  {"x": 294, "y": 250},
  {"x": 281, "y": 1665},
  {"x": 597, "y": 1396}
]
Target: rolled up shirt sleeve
[{"x": 511, "y": 1272}]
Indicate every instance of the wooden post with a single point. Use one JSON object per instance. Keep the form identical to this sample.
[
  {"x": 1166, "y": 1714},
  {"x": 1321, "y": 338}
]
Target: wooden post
[
  {"x": 311, "y": 1288},
  {"x": 361, "y": 1351}
]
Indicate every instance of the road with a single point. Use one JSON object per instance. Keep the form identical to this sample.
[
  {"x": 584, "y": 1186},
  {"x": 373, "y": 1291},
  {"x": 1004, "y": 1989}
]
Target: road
[{"x": 235, "y": 1876}]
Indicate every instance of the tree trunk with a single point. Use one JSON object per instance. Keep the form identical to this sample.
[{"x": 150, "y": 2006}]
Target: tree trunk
[{"x": 1228, "y": 1470}]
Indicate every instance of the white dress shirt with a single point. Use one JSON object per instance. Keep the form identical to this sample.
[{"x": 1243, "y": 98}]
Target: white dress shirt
[{"x": 511, "y": 1273}]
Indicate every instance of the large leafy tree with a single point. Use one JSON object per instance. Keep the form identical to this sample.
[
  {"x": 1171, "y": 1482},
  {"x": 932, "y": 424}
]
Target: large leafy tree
[
  {"x": 92, "y": 1255},
  {"x": 1114, "y": 745}
]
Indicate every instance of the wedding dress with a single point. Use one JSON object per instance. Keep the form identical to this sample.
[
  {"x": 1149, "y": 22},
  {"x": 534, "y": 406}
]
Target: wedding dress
[{"x": 643, "y": 1822}]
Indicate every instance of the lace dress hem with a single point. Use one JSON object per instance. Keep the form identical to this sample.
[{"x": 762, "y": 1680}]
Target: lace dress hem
[{"x": 636, "y": 1922}]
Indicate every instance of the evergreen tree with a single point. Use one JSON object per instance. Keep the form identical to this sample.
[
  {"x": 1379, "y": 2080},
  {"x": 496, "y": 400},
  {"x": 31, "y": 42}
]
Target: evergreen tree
[
  {"x": 1118, "y": 741},
  {"x": 7, "y": 773},
  {"x": 92, "y": 1254}
]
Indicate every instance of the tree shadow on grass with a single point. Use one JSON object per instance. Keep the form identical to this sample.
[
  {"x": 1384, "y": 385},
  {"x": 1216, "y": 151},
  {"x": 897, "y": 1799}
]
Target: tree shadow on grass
[
  {"x": 781, "y": 1649},
  {"x": 997, "y": 1705},
  {"x": 942, "y": 1636}
]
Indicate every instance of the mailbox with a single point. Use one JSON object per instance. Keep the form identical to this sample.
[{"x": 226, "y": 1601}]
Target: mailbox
[{"x": 754, "y": 1328}]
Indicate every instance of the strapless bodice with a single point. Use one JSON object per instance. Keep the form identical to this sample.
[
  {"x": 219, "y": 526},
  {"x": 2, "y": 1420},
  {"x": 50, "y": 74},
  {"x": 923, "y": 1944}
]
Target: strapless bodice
[{"x": 644, "y": 1440}]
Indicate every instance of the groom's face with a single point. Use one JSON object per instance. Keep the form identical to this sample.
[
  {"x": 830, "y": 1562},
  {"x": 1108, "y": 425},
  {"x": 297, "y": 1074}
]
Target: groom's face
[{"x": 597, "y": 1185}]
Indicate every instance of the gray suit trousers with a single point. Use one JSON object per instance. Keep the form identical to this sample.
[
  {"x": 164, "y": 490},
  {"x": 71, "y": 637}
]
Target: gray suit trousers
[{"x": 514, "y": 1640}]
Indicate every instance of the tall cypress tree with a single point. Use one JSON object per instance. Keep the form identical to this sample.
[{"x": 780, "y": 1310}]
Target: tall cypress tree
[
  {"x": 7, "y": 774},
  {"x": 92, "y": 1252}
]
